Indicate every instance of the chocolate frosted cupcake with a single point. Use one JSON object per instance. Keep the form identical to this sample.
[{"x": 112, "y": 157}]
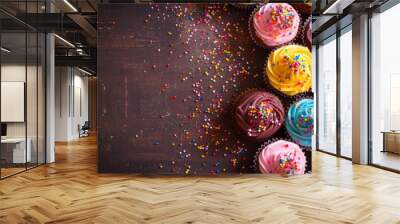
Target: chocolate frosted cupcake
[
  {"x": 300, "y": 122},
  {"x": 259, "y": 115},
  {"x": 307, "y": 33},
  {"x": 274, "y": 24},
  {"x": 281, "y": 157},
  {"x": 289, "y": 69}
]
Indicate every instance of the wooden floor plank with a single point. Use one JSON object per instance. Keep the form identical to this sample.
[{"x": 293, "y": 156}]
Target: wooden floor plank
[{"x": 71, "y": 191}]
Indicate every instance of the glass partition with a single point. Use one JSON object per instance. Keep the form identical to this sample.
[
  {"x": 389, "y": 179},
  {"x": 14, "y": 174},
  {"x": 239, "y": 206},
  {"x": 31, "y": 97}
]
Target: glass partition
[
  {"x": 22, "y": 91},
  {"x": 13, "y": 109},
  {"x": 41, "y": 109},
  {"x": 31, "y": 100}
]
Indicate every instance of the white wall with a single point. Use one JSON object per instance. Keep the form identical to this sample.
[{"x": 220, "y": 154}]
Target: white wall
[
  {"x": 71, "y": 102},
  {"x": 80, "y": 111},
  {"x": 10, "y": 73},
  {"x": 33, "y": 127},
  {"x": 62, "y": 82},
  {"x": 16, "y": 73}
]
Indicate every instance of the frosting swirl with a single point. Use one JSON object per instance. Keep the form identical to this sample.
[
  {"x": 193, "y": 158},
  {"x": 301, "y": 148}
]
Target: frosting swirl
[
  {"x": 282, "y": 157},
  {"x": 289, "y": 69},
  {"x": 259, "y": 115},
  {"x": 300, "y": 122},
  {"x": 276, "y": 23}
]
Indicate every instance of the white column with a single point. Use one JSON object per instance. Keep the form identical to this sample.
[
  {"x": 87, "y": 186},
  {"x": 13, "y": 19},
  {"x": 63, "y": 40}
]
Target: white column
[
  {"x": 62, "y": 103},
  {"x": 50, "y": 92},
  {"x": 50, "y": 100},
  {"x": 360, "y": 90}
]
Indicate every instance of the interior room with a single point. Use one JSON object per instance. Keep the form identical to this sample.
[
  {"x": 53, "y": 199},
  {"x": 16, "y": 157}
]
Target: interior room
[{"x": 199, "y": 112}]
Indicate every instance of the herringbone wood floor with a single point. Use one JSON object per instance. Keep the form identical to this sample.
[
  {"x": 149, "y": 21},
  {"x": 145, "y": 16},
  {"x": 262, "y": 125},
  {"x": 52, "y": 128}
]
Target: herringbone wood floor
[{"x": 71, "y": 191}]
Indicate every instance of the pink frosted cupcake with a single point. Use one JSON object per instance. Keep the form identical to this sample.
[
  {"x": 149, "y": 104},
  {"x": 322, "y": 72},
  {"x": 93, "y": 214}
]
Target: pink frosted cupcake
[
  {"x": 282, "y": 157},
  {"x": 275, "y": 24}
]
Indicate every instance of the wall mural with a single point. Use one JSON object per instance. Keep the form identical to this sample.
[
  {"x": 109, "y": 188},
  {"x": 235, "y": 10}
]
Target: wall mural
[{"x": 205, "y": 89}]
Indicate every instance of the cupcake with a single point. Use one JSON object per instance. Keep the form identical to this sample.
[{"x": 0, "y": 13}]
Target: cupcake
[
  {"x": 300, "y": 122},
  {"x": 307, "y": 33},
  {"x": 275, "y": 24},
  {"x": 289, "y": 69},
  {"x": 259, "y": 114},
  {"x": 281, "y": 157}
]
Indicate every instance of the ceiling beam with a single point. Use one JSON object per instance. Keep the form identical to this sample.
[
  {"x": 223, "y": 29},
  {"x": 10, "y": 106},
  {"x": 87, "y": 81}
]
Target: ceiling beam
[{"x": 81, "y": 61}]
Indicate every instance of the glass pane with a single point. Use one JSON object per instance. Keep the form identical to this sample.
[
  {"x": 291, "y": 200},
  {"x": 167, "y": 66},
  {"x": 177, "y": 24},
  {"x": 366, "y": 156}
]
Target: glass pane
[
  {"x": 346, "y": 94},
  {"x": 13, "y": 87},
  {"x": 385, "y": 84},
  {"x": 41, "y": 98},
  {"x": 327, "y": 96},
  {"x": 31, "y": 98}
]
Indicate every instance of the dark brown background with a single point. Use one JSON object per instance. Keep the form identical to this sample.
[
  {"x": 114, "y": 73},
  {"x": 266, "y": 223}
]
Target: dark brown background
[{"x": 149, "y": 118}]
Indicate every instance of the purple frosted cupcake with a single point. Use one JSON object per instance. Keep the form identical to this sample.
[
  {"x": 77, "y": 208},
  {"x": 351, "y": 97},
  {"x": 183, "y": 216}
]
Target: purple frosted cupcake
[{"x": 259, "y": 115}]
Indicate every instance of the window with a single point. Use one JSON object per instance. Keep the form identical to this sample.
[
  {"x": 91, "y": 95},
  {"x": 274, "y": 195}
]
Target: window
[
  {"x": 346, "y": 93},
  {"x": 385, "y": 89},
  {"x": 327, "y": 96}
]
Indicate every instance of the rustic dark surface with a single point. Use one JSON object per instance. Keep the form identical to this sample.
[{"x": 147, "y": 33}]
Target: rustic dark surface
[{"x": 168, "y": 77}]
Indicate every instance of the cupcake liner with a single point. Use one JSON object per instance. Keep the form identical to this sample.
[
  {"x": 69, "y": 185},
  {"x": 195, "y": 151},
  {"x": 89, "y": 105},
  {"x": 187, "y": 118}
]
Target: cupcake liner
[
  {"x": 304, "y": 33},
  {"x": 235, "y": 102},
  {"x": 266, "y": 79},
  {"x": 297, "y": 99},
  {"x": 259, "y": 42},
  {"x": 272, "y": 140},
  {"x": 252, "y": 31},
  {"x": 258, "y": 151},
  {"x": 308, "y": 154}
]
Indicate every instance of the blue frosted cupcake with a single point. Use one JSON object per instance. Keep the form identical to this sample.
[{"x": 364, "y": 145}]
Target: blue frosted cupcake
[{"x": 300, "y": 122}]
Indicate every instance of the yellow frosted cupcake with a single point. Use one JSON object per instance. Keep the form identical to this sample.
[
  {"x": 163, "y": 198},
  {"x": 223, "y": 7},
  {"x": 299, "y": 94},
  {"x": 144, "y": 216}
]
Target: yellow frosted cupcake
[{"x": 289, "y": 69}]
